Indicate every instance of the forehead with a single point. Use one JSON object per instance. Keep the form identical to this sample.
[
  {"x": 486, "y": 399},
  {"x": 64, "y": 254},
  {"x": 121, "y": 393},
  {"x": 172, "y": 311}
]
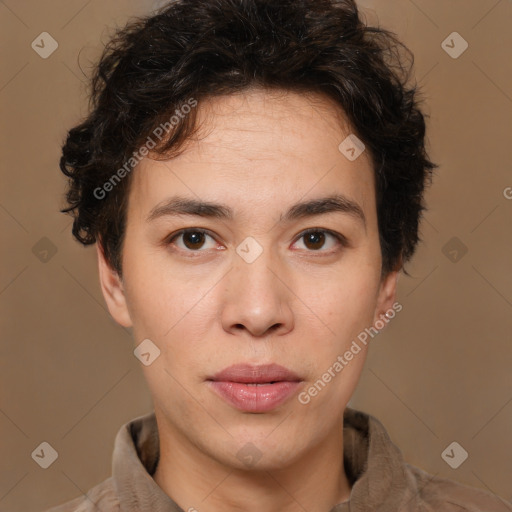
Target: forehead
[
  {"x": 259, "y": 147},
  {"x": 264, "y": 123}
]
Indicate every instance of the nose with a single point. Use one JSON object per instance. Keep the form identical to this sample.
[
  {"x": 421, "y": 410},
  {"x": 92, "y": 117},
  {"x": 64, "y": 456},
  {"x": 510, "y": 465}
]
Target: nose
[{"x": 258, "y": 297}]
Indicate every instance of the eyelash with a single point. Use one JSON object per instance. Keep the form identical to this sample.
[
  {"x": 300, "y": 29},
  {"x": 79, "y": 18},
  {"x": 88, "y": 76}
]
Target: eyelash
[{"x": 343, "y": 242}]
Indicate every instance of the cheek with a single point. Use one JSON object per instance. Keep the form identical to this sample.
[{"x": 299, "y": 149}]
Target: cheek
[
  {"x": 157, "y": 297},
  {"x": 346, "y": 308},
  {"x": 177, "y": 317},
  {"x": 345, "y": 302}
]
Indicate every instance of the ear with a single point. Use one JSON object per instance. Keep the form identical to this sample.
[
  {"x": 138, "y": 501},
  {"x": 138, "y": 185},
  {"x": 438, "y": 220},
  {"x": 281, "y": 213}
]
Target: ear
[
  {"x": 386, "y": 296},
  {"x": 113, "y": 290}
]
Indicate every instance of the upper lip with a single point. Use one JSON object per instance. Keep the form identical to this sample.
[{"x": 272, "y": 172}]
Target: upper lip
[{"x": 248, "y": 374}]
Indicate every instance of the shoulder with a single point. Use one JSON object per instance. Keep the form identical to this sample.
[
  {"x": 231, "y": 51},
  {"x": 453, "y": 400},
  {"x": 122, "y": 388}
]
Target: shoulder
[
  {"x": 445, "y": 495},
  {"x": 101, "y": 496}
]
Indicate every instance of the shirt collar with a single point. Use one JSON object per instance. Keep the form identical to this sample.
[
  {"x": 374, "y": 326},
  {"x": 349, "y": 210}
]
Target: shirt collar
[{"x": 374, "y": 466}]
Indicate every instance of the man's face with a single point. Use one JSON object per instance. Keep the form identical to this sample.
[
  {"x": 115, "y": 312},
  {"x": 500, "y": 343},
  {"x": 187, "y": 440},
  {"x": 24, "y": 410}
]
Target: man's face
[{"x": 254, "y": 289}]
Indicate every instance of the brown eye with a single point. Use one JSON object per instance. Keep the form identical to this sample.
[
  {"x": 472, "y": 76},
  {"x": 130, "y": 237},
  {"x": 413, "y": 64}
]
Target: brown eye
[
  {"x": 192, "y": 240},
  {"x": 316, "y": 239}
]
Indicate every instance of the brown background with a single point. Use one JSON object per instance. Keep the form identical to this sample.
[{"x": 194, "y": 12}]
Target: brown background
[{"x": 439, "y": 373}]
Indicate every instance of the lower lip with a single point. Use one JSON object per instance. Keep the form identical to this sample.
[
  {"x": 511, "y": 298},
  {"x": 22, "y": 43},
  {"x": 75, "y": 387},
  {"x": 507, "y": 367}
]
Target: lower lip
[{"x": 260, "y": 398}]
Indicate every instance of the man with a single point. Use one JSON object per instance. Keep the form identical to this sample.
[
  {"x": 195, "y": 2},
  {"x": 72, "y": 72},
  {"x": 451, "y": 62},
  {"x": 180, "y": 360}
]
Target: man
[{"x": 253, "y": 175}]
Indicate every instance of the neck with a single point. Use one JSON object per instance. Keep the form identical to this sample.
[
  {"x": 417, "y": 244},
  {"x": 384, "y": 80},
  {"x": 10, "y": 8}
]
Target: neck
[{"x": 315, "y": 482}]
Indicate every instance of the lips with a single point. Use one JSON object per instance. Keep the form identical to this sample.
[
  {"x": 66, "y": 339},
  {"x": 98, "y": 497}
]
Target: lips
[{"x": 255, "y": 389}]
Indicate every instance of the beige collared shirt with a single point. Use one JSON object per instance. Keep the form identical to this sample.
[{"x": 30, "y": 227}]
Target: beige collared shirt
[{"x": 380, "y": 479}]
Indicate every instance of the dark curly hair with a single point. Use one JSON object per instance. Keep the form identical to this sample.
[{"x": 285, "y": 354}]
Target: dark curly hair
[{"x": 204, "y": 48}]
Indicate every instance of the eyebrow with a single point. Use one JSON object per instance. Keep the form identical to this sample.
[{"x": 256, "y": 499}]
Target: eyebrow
[{"x": 175, "y": 206}]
